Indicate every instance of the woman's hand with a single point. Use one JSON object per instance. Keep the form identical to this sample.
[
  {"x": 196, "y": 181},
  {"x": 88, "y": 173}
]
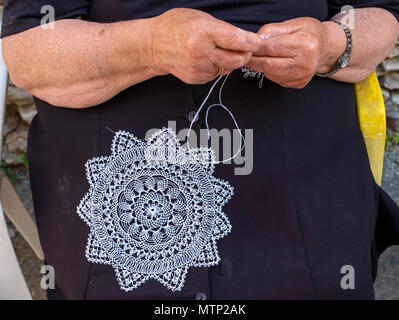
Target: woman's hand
[
  {"x": 80, "y": 63},
  {"x": 192, "y": 45},
  {"x": 293, "y": 51}
]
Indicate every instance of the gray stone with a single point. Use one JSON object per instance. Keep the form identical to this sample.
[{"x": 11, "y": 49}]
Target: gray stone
[
  {"x": 387, "y": 283},
  {"x": 380, "y": 70},
  {"x": 10, "y": 159},
  {"x": 18, "y": 96},
  {"x": 10, "y": 228},
  {"x": 393, "y": 156},
  {"x": 391, "y": 109},
  {"x": 391, "y": 64},
  {"x": 385, "y": 94},
  {"x": 16, "y": 141},
  {"x": 11, "y": 120},
  {"x": 11, "y": 232},
  {"x": 395, "y": 97},
  {"x": 22, "y": 187},
  {"x": 390, "y": 81},
  {"x": 27, "y": 112},
  {"x": 393, "y": 124},
  {"x": 392, "y": 113},
  {"x": 395, "y": 52}
]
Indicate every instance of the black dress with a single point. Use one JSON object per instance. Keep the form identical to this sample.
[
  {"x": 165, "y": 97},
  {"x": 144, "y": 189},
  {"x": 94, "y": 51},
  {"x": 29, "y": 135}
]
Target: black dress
[{"x": 308, "y": 207}]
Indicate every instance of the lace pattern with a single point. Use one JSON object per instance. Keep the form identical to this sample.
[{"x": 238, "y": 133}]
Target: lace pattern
[
  {"x": 251, "y": 73},
  {"x": 154, "y": 209}
]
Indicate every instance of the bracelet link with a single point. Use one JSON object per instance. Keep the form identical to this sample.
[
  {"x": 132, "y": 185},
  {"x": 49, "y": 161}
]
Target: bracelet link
[{"x": 343, "y": 60}]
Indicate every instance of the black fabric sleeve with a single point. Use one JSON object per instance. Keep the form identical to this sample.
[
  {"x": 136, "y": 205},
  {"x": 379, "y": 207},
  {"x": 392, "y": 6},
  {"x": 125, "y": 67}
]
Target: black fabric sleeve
[
  {"x": 20, "y": 15},
  {"x": 390, "y": 5}
]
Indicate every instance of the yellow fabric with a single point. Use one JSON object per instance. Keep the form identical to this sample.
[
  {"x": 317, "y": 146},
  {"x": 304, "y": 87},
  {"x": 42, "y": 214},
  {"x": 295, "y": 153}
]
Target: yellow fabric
[{"x": 371, "y": 111}]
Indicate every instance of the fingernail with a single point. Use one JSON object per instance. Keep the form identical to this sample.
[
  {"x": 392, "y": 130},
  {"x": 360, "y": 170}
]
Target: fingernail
[{"x": 265, "y": 36}]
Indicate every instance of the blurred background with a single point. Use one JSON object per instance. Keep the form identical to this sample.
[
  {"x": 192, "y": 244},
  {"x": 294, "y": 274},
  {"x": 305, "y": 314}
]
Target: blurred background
[{"x": 20, "y": 111}]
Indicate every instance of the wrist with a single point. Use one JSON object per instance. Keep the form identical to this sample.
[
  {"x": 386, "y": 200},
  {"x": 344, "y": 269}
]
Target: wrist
[
  {"x": 334, "y": 45},
  {"x": 133, "y": 47},
  {"x": 153, "y": 49}
]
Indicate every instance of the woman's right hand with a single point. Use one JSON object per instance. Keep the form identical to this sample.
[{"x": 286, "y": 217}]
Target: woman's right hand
[{"x": 193, "y": 46}]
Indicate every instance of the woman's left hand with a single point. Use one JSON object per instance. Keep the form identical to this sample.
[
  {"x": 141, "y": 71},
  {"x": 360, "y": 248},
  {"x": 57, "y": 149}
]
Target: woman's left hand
[{"x": 293, "y": 51}]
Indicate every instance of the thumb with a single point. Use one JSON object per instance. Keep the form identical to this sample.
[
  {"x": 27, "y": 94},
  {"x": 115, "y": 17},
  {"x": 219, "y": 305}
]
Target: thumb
[
  {"x": 272, "y": 30},
  {"x": 229, "y": 37}
]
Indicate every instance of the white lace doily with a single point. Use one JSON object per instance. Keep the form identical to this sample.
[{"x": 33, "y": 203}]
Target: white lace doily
[{"x": 154, "y": 209}]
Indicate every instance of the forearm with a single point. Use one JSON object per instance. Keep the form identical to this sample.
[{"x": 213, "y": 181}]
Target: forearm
[
  {"x": 78, "y": 63},
  {"x": 374, "y": 36}
]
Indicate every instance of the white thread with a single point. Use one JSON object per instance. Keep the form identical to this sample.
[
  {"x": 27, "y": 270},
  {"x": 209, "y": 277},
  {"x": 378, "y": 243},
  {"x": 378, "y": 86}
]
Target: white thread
[
  {"x": 110, "y": 130},
  {"x": 220, "y": 104}
]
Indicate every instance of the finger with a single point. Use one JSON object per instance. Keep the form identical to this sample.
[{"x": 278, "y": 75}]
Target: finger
[
  {"x": 272, "y": 67},
  {"x": 285, "y": 46},
  {"x": 229, "y": 37},
  {"x": 272, "y": 30},
  {"x": 282, "y": 71},
  {"x": 229, "y": 59}
]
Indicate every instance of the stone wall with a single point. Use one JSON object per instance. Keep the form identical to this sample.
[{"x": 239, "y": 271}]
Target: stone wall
[
  {"x": 20, "y": 111},
  {"x": 388, "y": 73}
]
